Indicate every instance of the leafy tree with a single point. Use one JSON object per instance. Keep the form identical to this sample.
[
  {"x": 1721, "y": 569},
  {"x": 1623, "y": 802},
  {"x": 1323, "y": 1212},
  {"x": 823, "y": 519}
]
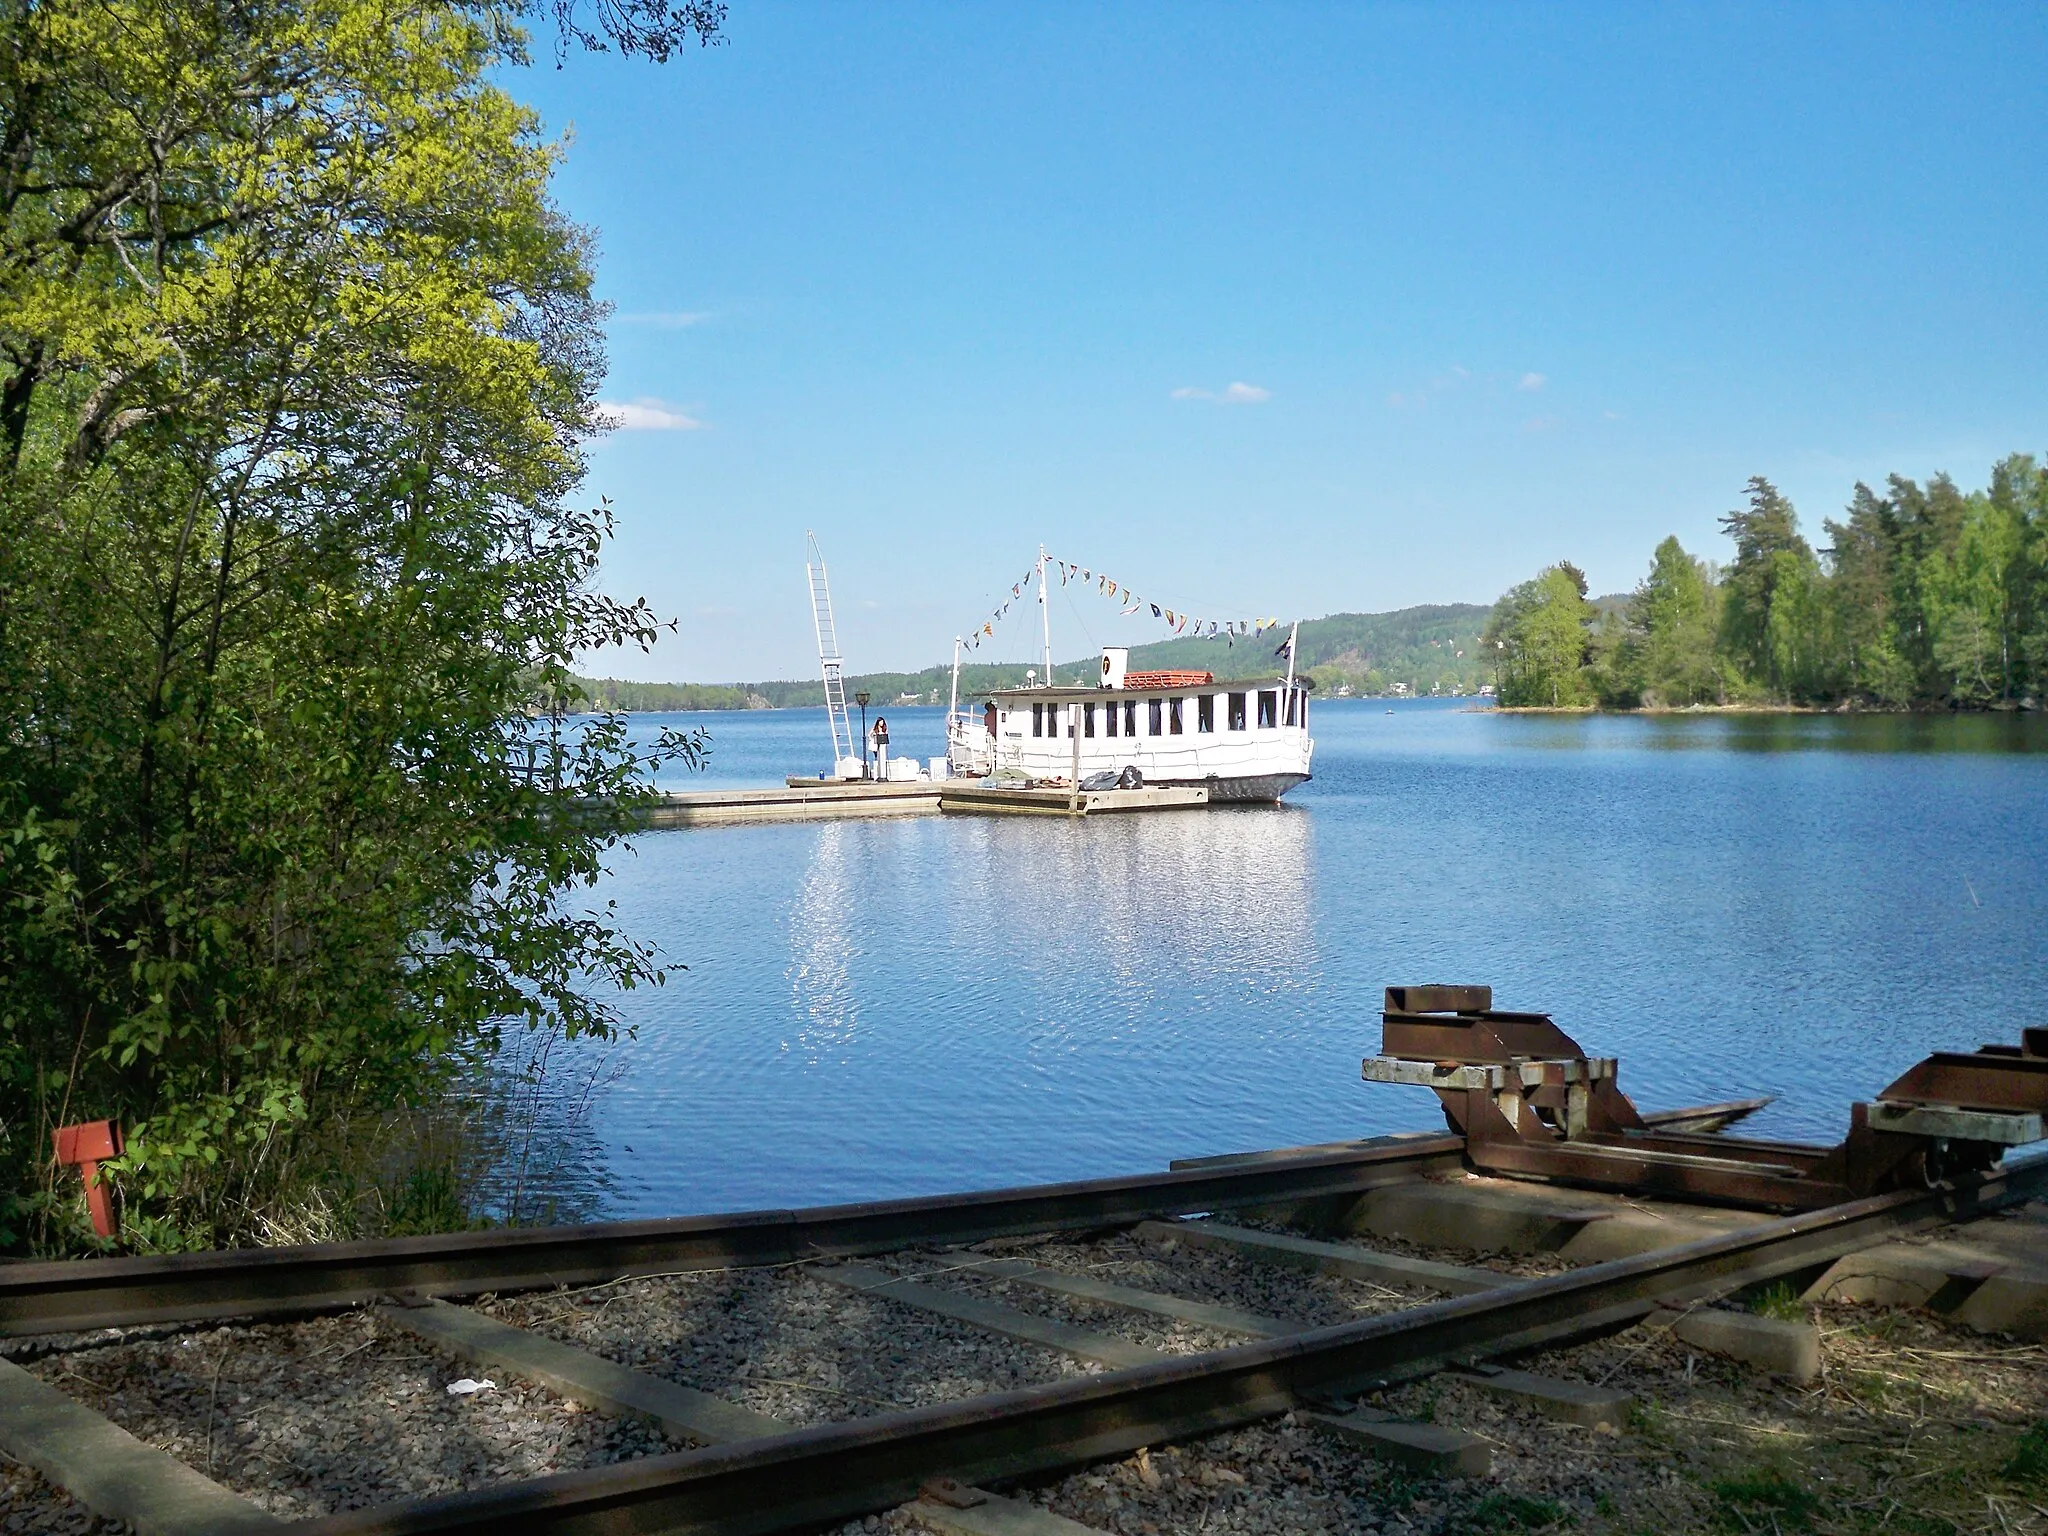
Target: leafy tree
[
  {"x": 1800, "y": 646},
  {"x": 1862, "y": 593},
  {"x": 1539, "y": 635},
  {"x": 2019, "y": 488},
  {"x": 296, "y": 362},
  {"x": 1763, "y": 531},
  {"x": 1667, "y": 653},
  {"x": 1973, "y": 601}
]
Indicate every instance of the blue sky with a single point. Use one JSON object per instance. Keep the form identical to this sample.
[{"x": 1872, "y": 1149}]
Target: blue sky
[{"x": 1281, "y": 309}]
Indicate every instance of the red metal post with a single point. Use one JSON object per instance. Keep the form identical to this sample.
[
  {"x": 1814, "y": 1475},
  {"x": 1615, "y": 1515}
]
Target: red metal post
[{"x": 86, "y": 1146}]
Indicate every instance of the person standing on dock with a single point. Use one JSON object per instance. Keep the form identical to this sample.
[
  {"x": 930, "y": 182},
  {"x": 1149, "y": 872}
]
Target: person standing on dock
[{"x": 881, "y": 745}]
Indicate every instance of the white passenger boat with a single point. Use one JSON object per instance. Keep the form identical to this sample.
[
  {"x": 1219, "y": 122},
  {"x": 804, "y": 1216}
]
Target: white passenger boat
[{"x": 1243, "y": 739}]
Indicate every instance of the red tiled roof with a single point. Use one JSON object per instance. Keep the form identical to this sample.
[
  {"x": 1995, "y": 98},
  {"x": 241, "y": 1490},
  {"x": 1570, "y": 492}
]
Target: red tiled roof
[{"x": 1168, "y": 679}]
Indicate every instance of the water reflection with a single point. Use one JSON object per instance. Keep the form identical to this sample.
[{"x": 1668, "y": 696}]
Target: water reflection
[
  {"x": 822, "y": 947},
  {"x": 1997, "y": 732},
  {"x": 1195, "y": 892}
]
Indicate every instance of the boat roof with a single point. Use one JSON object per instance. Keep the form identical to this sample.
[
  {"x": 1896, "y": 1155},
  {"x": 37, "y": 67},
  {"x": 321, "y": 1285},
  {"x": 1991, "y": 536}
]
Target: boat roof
[{"x": 1067, "y": 694}]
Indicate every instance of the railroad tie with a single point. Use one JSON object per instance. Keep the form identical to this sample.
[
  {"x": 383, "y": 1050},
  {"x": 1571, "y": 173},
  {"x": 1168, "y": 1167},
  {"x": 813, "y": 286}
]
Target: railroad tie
[
  {"x": 110, "y": 1471},
  {"x": 990, "y": 1316},
  {"x": 1345, "y": 1259},
  {"x": 1088, "y": 1288},
  {"x": 1427, "y": 1448},
  {"x": 576, "y": 1373},
  {"x": 952, "y": 1510},
  {"x": 1572, "y": 1402},
  {"x": 682, "y": 1411}
]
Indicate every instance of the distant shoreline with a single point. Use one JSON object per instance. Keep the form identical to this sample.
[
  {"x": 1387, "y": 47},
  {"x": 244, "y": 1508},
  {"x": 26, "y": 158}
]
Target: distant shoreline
[
  {"x": 1320, "y": 699},
  {"x": 1998, "y": 708}
]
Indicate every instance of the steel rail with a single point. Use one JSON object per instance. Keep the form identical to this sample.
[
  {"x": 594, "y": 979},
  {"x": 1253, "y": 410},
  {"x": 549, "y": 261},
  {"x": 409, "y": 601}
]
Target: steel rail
[
  {"x": 74, "y": 1295},
  {"x": 836, "y": 1471}
]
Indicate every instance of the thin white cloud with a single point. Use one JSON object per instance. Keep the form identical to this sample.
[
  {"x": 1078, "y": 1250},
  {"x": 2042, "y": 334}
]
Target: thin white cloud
[
  {"x": 666, "y": 319},
  {"x": 1236, "y": 393},
  {"x": 1460, "y": 381},
  {"x": 645, "y": 414}
]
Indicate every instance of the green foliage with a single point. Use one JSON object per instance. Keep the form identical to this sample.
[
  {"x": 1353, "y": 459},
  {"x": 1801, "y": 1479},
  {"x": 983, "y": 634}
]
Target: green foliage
[
  {"x": 1780, "y": 1301},
  {"x": 1502, "y": 1512},
  {"x": 296, "y": 359},
  {"x": 427, "y": 1199},
  {"x": 1768, "y": 552},
  {"x": 607, "y": 693},
  {"x": 2029, "y": 1460},
  {"x": 1665, "y": 654},
  {"x": 1765, "y": 1497},
  {"x": 1432, "y": 648},
  {"x": 1927, "y": 597},
  {"x": 1539, "y": 634}
]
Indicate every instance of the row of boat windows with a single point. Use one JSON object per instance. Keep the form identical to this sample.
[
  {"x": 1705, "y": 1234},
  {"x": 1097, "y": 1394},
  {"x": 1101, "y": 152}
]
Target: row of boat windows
[{"x": 1168, "y": 717}]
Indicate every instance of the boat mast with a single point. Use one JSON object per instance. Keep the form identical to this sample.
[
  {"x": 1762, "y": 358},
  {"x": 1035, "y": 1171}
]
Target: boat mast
[
  {"x": 1045, "y": 615},
  {"x": 829, "y": 660},
  {"x": 953, "y": 704},
  {"x": 1292, "y": 635}
]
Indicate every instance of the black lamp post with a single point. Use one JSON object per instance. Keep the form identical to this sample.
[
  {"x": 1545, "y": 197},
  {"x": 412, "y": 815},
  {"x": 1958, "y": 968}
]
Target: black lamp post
[{"x": 861, "y": 699}]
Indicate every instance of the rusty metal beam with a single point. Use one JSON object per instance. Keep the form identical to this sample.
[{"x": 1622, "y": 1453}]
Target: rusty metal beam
[
  {"x": 1671, "y": 1175},
  {"x": 78, "y": 1294},
  {"x": 1974, "y": 1081}
]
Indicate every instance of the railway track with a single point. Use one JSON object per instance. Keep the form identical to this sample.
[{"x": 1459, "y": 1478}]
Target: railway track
[{"x": 784, "y": 1370}]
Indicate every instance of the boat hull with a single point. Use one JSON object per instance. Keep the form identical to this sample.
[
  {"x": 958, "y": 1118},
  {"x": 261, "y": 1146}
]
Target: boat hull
[{"x": 1248, "y": 789}]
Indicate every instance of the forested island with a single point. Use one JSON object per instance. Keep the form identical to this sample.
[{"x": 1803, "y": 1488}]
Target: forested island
[{"x": 1924, "y": 597}]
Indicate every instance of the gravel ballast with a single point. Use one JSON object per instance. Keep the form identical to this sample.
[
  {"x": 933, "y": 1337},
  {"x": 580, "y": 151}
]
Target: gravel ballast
[
  {"x": 311, "y": 1418},
  {"x": 783, "y": 1343},
  {"x": 30, "y": 1503}
]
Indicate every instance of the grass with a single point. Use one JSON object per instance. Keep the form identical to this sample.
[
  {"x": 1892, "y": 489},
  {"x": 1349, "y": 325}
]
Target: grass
[
  {"x": 428, "y": 1199},
  {"x": 1766, "y": 1497},
  {"x": 1779, "y": 1302},
  {"x": 1502, "y": 1512},
  {"x": 2029, "y": 1460}
]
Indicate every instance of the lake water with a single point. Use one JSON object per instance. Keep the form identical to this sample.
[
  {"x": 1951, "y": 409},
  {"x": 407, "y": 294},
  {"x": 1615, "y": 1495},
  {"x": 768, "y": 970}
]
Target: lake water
[{"x": 1796, "y": 905}]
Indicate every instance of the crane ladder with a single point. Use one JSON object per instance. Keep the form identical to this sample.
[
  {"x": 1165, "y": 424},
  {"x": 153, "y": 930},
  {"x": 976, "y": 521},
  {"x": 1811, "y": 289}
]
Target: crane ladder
[{"x": 829, "y": 659}]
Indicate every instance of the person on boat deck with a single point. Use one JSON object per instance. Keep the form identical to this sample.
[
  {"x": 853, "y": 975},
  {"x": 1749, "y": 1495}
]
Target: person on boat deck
[{"x": 881, "y": 744}]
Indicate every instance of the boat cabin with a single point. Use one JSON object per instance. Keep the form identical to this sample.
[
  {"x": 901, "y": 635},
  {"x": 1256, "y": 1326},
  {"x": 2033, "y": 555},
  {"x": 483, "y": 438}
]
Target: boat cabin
[{"x": 1245, "y": 739}]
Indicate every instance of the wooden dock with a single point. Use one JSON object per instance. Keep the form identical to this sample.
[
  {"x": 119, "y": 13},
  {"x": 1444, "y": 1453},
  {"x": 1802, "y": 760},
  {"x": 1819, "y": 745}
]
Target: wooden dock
[{"x": 822, "y": 799}]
